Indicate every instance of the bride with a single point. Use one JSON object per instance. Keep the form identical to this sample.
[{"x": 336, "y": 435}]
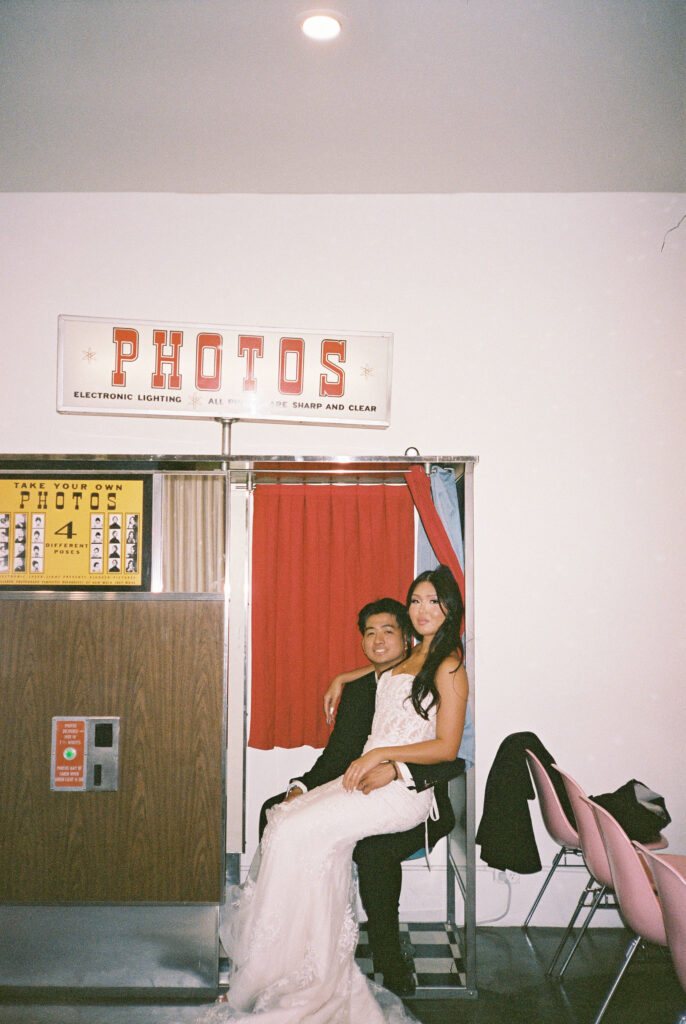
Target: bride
[{"x": 290, "y": 931}]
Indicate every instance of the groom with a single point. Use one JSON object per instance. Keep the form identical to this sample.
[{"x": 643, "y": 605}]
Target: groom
[{"x": 386, "y": 632}]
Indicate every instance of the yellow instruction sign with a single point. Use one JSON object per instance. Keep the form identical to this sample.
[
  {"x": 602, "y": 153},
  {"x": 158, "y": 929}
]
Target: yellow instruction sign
[{"x": 71, "y": 532}]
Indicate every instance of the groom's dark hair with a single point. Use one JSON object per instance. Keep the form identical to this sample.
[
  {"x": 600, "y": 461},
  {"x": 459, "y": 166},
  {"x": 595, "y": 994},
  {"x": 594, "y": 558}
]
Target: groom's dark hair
[{"x": 387, "y": 606}]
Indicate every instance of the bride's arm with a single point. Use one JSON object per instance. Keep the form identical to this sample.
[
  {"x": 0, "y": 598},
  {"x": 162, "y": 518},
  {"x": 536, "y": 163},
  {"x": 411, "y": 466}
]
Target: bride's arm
[
  {"x": 452, "y": 686},
  {"x": 333, "y": 693}
]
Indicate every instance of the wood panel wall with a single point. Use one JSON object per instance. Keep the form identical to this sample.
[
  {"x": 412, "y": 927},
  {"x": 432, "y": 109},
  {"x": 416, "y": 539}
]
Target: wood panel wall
[{"x": 156, "y": 664}]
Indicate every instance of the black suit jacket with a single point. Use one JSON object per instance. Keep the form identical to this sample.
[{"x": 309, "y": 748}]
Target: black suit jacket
[
  {"x": 348, "y": 737},
  {"x": 505, "y": 832}
]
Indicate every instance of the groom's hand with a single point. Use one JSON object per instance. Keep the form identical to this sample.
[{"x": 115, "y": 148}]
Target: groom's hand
[{"x": 377, "y": 778}]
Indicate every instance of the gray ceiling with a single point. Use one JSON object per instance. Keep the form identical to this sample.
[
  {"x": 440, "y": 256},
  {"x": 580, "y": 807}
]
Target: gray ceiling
[{"x": 415, "y": 96}]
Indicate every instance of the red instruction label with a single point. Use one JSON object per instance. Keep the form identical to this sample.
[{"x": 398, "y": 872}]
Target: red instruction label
[{"x": 70, "y": 747}]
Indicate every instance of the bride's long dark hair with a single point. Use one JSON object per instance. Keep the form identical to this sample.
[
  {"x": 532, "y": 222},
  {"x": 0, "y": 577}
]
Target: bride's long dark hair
[{"x": 447, "y": 640}]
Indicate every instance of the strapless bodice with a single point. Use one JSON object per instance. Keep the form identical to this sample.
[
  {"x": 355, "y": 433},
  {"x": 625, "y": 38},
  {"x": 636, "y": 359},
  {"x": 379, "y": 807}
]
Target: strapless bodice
[{"x": 395, "y": 720}]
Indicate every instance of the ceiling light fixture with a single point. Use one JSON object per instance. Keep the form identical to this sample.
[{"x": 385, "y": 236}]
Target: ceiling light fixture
[{"x": 321, "y": 26}]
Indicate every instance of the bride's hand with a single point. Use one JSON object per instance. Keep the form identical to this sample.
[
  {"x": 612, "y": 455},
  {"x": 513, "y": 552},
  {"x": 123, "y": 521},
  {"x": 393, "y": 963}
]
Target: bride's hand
[
  {"x": 378, "y": 777},
  {"x": 357, "y": 770},
  {"x": 333, "y": 694},
  {"x": 332, "y": 697}
]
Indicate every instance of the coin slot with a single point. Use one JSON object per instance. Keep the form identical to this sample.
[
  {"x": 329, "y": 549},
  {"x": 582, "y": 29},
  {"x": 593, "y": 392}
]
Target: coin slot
[{"x": 103, "y": 734}]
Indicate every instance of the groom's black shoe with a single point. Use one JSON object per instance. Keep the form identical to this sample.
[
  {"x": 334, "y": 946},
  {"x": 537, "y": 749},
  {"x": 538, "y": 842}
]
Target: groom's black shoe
[{"x": 401, "y": 981}]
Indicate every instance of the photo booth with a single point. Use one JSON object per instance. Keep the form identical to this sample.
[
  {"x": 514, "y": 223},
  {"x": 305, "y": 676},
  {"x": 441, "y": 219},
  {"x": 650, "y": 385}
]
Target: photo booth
[{"x": 173, "y": 610}]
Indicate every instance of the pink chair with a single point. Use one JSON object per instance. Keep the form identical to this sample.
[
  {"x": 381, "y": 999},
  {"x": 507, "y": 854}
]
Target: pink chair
[
  {"x": 638, "y": 905},
  {"x": 669, "y": 872},
  {"x": 556, "y": 822},
  {"x": 600, "y": 889}
]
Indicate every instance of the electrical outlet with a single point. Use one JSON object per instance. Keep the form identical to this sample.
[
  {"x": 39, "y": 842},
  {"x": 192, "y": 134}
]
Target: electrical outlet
[{"x": 506, "y": 877}]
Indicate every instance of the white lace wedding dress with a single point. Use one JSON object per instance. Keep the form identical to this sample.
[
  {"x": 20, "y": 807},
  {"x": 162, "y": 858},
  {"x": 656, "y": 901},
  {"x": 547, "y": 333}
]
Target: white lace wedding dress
[{"x": 290, "y": 930}]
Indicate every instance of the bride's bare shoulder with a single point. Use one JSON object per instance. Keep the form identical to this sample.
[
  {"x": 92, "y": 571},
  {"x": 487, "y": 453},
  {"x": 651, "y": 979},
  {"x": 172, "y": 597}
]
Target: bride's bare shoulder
[{"x": 452, "y": 670}]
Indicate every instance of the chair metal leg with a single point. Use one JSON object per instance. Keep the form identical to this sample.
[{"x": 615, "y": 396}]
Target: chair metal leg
[
  {"x": 543, "y": 888},
  {"x": 590, "y": 885},
  {"x": 630, "y": 950},
  {"x": 594, "y": 906}
]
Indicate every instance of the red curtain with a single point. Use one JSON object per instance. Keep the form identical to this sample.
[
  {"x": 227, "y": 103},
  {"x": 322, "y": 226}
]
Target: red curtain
[
  {"x": 420, "y": 487},
  {"x": 320, "y": 553}
]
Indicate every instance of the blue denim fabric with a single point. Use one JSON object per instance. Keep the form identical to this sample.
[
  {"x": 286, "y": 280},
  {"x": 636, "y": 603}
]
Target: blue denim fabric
[
  {"x": 466, "y": 750},
  {"x": 444, "y": 494}
]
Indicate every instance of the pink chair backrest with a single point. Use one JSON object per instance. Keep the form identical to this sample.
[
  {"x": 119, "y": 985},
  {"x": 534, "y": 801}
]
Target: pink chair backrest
[
  {"x": 671, "y": 887},
  {"x": 591, "y": 841},
  {"x": 554, "y": 817},
  {"x": 631, "y": 882}
]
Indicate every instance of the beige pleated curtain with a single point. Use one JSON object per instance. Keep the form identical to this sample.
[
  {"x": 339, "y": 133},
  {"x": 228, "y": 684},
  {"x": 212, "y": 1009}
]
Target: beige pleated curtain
[{"x": 193, "y": 544}]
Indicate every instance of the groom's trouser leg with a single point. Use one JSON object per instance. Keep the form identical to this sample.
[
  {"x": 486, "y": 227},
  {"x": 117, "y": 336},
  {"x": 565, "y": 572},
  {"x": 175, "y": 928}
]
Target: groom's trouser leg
[
  {"x": 379, "y": 864},
  {"x": 265, "y": 807}
]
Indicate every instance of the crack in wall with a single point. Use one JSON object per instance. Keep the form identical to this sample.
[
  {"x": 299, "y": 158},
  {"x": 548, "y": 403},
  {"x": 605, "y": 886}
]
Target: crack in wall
[{"x": 677, "y": 225}]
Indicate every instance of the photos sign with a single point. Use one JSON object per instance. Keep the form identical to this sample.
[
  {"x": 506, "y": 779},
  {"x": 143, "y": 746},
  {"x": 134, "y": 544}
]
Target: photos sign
[{"x": 210, "y": 372}]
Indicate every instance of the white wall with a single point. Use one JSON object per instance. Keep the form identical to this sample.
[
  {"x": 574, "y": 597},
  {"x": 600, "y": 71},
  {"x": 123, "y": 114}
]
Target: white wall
[{"x": 543, "y": 333}]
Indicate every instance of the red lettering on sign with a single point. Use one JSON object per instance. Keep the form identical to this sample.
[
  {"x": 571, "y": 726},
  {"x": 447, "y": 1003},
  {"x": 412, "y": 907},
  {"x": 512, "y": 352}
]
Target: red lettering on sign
[
  {"x": 210, "y": 343},
  {"x": 253, "y": 348},
  {"x": 159, "y": 340},
  {"x": 332, "y": 388},
  {"x": 126, "y": 350},
  {"x": 291, "y": 385}
]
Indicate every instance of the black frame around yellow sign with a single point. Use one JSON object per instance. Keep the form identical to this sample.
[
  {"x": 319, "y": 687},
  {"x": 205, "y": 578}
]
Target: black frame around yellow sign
[{"x": 61, "y": 532}]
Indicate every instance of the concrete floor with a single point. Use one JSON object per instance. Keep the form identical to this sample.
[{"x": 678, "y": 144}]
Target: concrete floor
[{"x": 512, "y": 986}]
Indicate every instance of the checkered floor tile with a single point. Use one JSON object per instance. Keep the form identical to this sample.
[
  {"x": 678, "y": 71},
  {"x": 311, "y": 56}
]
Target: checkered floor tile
[{"x": 437, "y": 957}]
